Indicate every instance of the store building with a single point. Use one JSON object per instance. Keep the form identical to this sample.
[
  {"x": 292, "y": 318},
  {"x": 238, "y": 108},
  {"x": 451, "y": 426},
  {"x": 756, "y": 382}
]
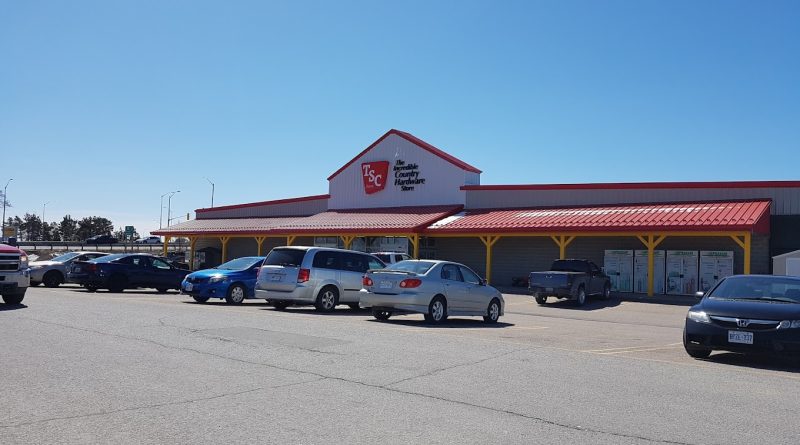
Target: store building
[{"x": 401, "y": 193}]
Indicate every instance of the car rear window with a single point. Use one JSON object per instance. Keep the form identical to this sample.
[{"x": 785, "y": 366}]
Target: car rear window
[
  {"x": 570, "y": 266},
  {"x": 418, "y": 267},
  {"x": 110, "y": 258},
  {"x": 285, "y": 257},
  {"x": 384, "y": 257}
]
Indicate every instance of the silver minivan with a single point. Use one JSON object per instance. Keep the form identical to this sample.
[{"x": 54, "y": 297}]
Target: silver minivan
[{"x": 318, "y": 276}]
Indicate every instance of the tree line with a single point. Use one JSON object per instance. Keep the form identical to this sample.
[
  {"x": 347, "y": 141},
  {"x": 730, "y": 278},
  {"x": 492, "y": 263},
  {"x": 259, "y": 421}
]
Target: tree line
[{"x": 31, "y": 228}]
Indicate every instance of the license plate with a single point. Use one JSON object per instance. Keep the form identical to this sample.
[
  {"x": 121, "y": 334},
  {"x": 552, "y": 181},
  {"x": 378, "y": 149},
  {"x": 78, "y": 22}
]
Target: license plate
[
  {"x": 740, "y": 337},
  {"x": 189, "y": 287},
  {"x": 275, "y": 277},
  {"x": 386, "y": 285},
  {"x": 548, "y": 289},
  {"x": 76, "y": 269}
]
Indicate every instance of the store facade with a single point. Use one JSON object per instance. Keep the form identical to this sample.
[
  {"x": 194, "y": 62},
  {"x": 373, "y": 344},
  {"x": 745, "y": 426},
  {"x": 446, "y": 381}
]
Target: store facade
[{"x": 403, "y": 194}]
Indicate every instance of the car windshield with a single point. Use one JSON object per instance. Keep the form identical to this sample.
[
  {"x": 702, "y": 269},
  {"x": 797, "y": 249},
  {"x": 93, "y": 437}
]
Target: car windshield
[
  {"x": 285, "y": 257},
  {"x": 65, "y": 257},
  {"x": 569, "y": 266},
  {"x": 418, "y": 267},
  {"x": 109, "y": 258},
  {"x": 384, "y": 257},
  {"x": 240, "y": 263},
  {"x": 768, "y": 288}
]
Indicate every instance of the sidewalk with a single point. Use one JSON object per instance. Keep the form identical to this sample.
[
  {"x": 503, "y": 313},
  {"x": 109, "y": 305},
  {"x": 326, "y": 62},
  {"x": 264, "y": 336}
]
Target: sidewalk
[{"x": 677, "y": 300}]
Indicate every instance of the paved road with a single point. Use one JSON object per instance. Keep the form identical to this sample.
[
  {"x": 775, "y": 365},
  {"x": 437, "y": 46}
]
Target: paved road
[{"x": 139, "y": 367}]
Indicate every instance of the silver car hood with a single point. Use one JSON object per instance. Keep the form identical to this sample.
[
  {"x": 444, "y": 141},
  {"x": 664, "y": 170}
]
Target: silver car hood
[{"x": 44, "y": 263}]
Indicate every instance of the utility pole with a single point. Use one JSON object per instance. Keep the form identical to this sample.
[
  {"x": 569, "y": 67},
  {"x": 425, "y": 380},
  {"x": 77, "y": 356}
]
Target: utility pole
[
  {"x": 5, "y": 199},
  {"x": 212, "y": 192},
  {"x": 169, "y": 205},
  {"x": 161, "y": 210}
]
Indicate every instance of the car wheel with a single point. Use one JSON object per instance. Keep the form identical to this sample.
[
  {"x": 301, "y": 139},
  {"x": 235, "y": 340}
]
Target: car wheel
[
  {"x": 381, "y": 315},
  {"x": 606, "y": 292},
  {"x": 580, "y": 298},
  {"x": 235, "y": 294},
  {"x": 13, "y": 298},
  {"x": 91, "y": 288},
  {"x": 117, "y": 283},
  {"x": 541, "y": 299},
  {"x": 162, "y": 290},
  {"x": 437, "y": 310},
  {"x": 279, "y": 305},
  {"x": 200, "y": 299},
  {"x": 52, "y": 279},
  {"x": 327, "y": 299},
  {"x": 492, "y": 312},
  {"x": 695, "y": 351}
]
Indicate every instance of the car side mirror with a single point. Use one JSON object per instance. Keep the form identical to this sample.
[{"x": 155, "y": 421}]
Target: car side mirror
[
  {"x": 483, "y": 282},
  {"x": 699, "y": 294}
]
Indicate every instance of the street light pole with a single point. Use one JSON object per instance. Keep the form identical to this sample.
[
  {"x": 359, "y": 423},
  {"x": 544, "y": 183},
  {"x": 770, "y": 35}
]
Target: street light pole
[
  {"x": 212, "y": 192},
  {"x": 161, "y": 209},
  {"x": 169, "y": 204},
  {"x": 5, "y": 198},
  {"x": 43, "y": 209}
]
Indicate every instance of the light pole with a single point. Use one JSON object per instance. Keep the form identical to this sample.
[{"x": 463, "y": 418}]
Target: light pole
[
  {"x": 5, "y": 198},
  {"x": 212, "y": 191},
  {"x": 161, "y": 210},
  {"x": 169, "y": 204},
  {"x": 43, "y": 223}
]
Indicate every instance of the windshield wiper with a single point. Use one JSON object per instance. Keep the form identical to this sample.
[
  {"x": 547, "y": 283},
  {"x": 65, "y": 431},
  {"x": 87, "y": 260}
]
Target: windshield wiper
[{"x": 781, "y": 299}]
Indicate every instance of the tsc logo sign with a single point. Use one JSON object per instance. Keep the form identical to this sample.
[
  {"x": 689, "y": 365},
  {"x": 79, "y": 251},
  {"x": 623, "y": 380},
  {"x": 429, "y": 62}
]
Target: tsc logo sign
[{"x": 374, "y": 175}]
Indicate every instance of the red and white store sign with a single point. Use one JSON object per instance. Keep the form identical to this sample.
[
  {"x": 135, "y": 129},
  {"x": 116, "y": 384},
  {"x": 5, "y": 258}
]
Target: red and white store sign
[{"x": 374, "y": 175}]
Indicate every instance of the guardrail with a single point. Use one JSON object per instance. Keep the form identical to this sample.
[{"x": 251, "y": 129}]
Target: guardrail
[{"x": 117, "y": 247}]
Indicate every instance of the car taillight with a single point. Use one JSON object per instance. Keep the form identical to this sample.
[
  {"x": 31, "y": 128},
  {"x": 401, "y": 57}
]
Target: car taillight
[
  {"x": 410, "y": 282},
  {"x": 367, "y": 281},
  {"x": 303, "y": 275},
  {"x": 91, "y": 267}
]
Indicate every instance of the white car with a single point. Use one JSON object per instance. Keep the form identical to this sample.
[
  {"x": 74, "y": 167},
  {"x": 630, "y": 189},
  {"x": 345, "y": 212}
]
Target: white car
[
  {"x": 149, "y": 240},
  {"x": 392, "y": 257}
]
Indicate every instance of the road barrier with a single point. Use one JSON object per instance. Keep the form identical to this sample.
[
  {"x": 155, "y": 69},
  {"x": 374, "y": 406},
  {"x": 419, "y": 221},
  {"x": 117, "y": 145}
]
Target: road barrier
[{"x": 117, "y": 247}]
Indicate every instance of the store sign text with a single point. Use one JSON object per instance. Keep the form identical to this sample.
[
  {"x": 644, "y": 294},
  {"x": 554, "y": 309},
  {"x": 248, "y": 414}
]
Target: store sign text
[
  {"x": 406, "y": 176},
  {"x": 375, "y": 175}
]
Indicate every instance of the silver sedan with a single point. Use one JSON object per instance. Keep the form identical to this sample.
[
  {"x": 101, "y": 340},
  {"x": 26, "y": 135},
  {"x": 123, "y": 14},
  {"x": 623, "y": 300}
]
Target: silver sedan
[
  {"x": 54, "y": 272},
  {"x": 436, "y": 289}
]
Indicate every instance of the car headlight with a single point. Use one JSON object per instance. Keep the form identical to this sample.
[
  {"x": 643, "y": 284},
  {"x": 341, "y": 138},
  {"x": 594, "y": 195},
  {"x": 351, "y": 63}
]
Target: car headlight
[
  {"x": 217, "y": 279},
  {"x": 23, "y": 262},
  {"x": 789, "y": 324},
  {"x": 698, "y": 316}
]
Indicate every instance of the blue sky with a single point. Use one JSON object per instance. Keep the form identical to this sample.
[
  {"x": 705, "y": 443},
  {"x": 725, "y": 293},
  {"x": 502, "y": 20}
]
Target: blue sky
[{"x": 106, "y": 105}]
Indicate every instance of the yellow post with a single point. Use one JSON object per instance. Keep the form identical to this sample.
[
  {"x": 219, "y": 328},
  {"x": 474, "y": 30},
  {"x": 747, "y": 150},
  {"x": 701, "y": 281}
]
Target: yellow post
[
  {"x": 348, "y": 240},
  {"x": 290, "y": 240},
  {"x": 192, "y": 244},
  {"x": 745, "y": 243},
  {"x": 224, "y": 240},
  {"x": 414, "y": 240},
  {"x": 651, "y": 242},
  {"x": 562, "y": 241},
  {"x": 260, "y": 241},
  {"x": 166, "y": 245},
  {"x": 489, "y": 241}
]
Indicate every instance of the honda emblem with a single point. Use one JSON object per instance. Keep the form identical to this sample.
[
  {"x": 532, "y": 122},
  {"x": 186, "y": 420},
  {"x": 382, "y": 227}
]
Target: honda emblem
[{"x": 742, "y": 323}]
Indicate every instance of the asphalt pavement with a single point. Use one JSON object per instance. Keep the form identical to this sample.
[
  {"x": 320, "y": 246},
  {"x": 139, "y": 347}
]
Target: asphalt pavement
[{"x": 140, "y": 367}]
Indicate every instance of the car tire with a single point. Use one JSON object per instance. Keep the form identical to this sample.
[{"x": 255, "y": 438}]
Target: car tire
[
  {"x": 91, "y": 288},
  {"x": 236, "y": 294},
  {"x": 698, "y": 352},
  {"x": 381, "y": 314},
  {"x": 540, "y": 299},
  {"x": 580, "y": 297},
  {"x": 492, "y": 312},
  {"x": 162, "y": 290},
  {"x": 606, "y": 295},
  {"x": 200, "y": 299},
  {"x": 14, "y": 298},
  {"x": 279, "y": 305},
  {"x": 437, "y": 310},
  {"x": 327, "y": 299},
  {"x": 52, "y": 278},
  {"x": 354, "y": 306},
  {"x": 117, "y": 283}
]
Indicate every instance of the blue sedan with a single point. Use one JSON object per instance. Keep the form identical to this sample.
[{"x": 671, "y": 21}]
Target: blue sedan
[{"x": 234, "y": 281}]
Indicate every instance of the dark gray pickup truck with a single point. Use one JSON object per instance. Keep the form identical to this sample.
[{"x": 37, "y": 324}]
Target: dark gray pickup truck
[{"x": 570, "y": 279}]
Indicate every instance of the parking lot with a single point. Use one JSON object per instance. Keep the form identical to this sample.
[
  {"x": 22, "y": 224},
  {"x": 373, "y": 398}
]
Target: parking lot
[{"x": 139, "y": 367}]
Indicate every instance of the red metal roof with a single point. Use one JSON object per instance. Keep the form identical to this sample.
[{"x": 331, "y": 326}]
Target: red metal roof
[
  {"x": 264, "y": 203},
  {"x": 414, "y": 140},
  {"x": 369, "y": 221},
  {"x": 637, "y": 185},
  {"x": 697, "y": 216},
  {"x": 224, "y": 226}
]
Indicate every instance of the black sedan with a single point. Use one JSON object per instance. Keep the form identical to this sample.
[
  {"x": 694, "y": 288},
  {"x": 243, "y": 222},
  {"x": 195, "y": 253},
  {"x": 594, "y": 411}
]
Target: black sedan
[
  {"x": 746, "y": 313},
  {"x": 102, "y": 239},
  {"x": 127, "y": 271}
]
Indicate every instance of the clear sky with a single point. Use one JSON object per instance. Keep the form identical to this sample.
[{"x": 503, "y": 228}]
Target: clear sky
[{"x": 106, "y": 105}]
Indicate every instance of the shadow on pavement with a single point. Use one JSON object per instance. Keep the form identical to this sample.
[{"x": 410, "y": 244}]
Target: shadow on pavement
[
  {"x": 340, "y": 311},
  {"x": 224, "y": 303},
  {"x": 590, "y": 305},
  {"x": 11, "y": 307},
  {"x": 450, "y": 323},
  {"x": 757, "y": 361}
]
